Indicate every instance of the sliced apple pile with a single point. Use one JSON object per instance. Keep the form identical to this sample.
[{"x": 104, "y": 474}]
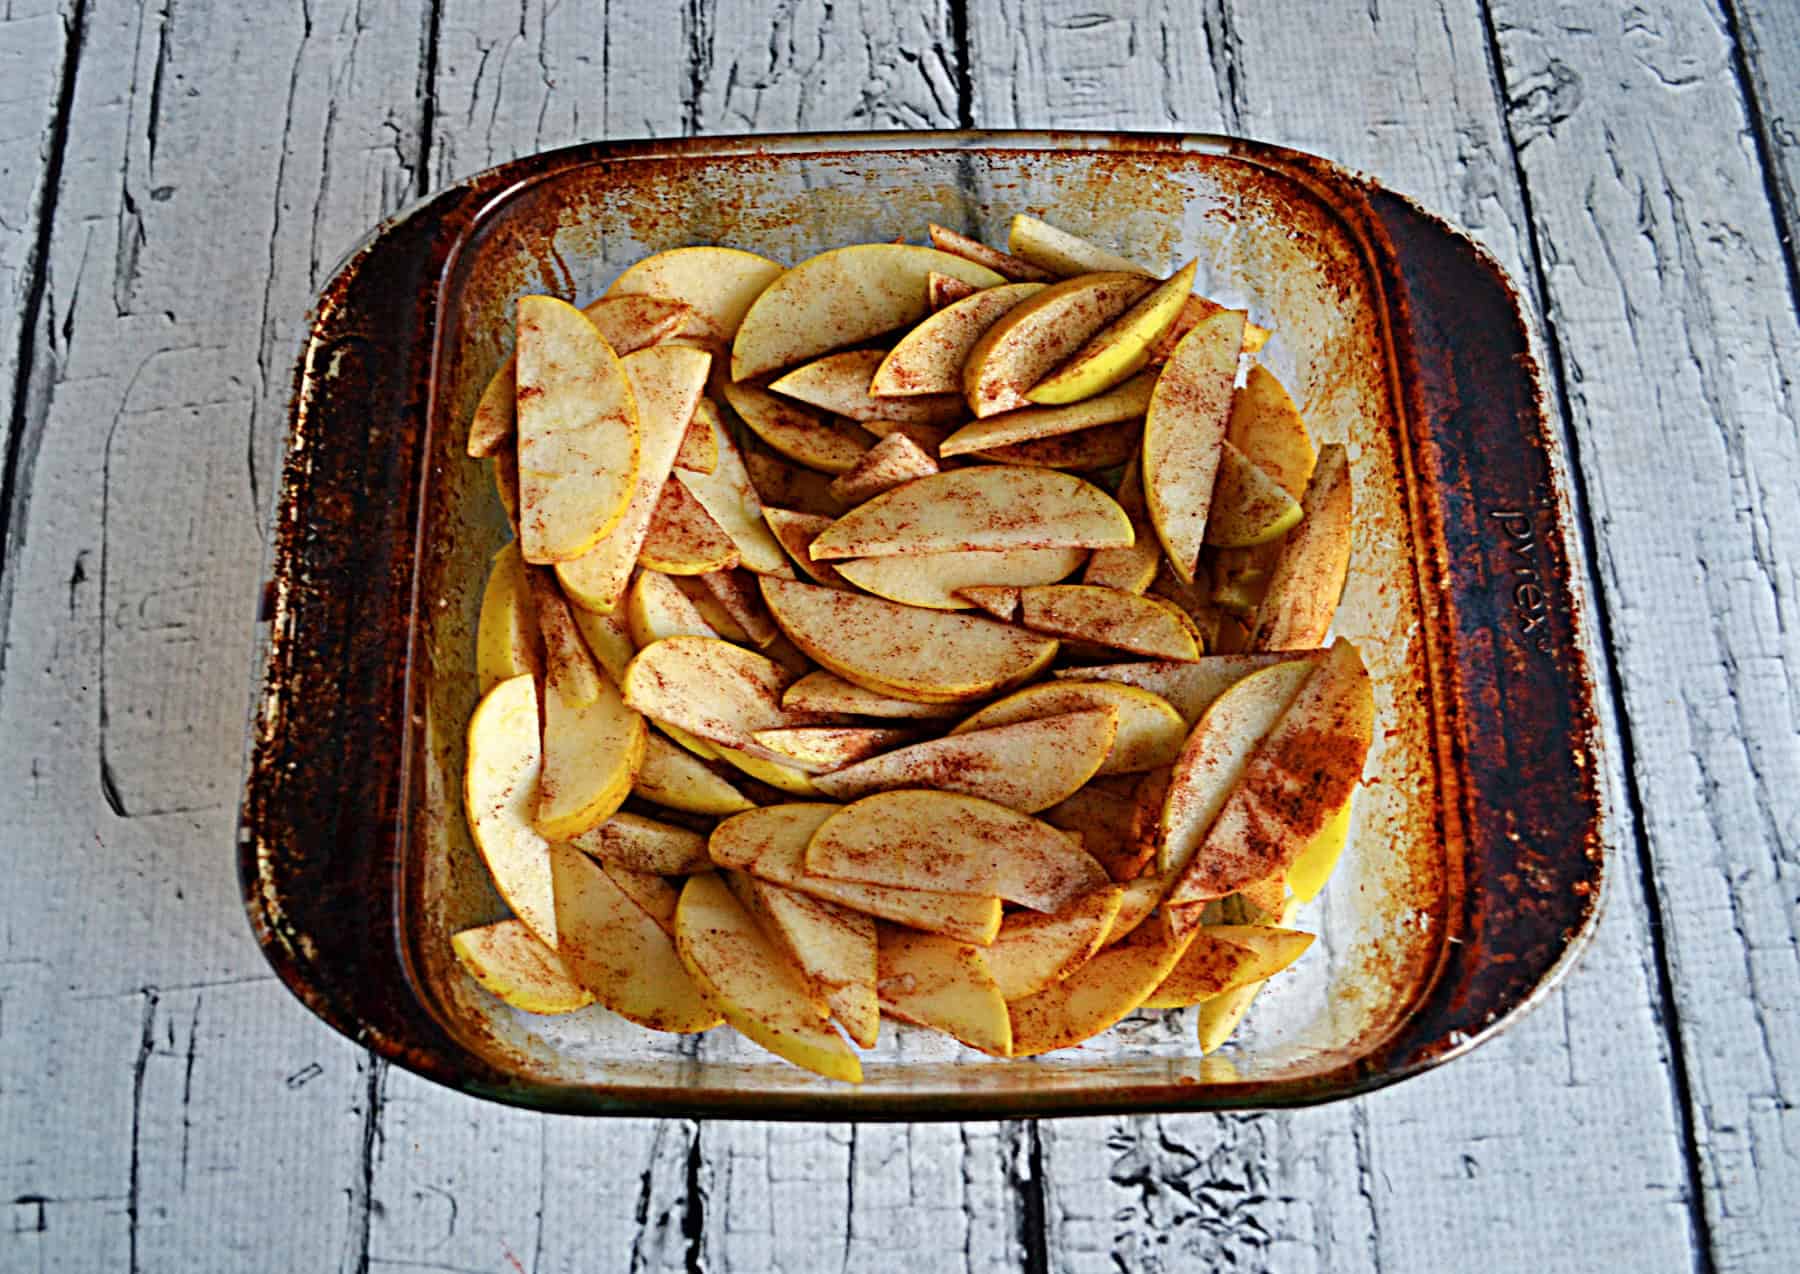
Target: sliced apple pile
[{"x": 938, "y": 632}]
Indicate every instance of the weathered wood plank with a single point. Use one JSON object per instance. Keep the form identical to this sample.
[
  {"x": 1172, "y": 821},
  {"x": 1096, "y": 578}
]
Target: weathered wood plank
[
  {"x": 1766, "y": 44},
  {"x": 1672, "y": 328}
]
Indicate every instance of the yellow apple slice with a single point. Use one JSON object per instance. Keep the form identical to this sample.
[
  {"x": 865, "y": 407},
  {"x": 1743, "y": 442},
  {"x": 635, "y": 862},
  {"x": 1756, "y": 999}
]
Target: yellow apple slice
[
  {"x": 1313, "y": 865},
  {"x": 999, "y": 600},
  {"x": 1196, "y": 310},
  {"x": 666, "y": 383},
  {"x": 1213, "y": 759},
  {"x": 1138, "y": 901},
  {"x": 944, "y": 985},
  {"x": 577, "y": 430},
  {"x": 1059, "y": 253},
  {"x": 1094, "y": 998},
  {"x": 842, "y": 297},
  {"x": 738, "y": 596},
  {"x": 1121, "y": 348},
  {"x": 718, "y": 284},
  {"x": 842, "y": 384},
  {"x": 642, "y": 844},
  {"x": 771, "y": 842},
  {"x": 591, "y": 753},
  {"x": 506, "y": 640},
  {"x": 1150, "y": 731},
  {"x": 1108, "y": 617},
  {"x": 657, "y": 610},
  {"x": 780, "y": 482},
  {"x": 939, "y": 581},
  {"x": 1035, "y": 950},
  {"x": 567, "y": 661},
  {"x": 609, "y": 639},
  {"x": 1266, "y": 426},
  {"x": 1300, "y": 774},
  {"x": 743, "y": 888},
  {"x": 943, "y": 290},
  {"x": 613, "y": 947},
  {"x": 903, "y": 651},
  {"x": 1104, "y": 821},
  {"x": 1101, "y": 447},
  {"x": 818, "y": 749},
  {"x": 733, "y": 503},
  {"x": 1027, "y": 424},
  {"x": 796, "y": 430},
  {"x": 627, "y": 324},
  {"x": 797, "y": 531},
  {"x": 507, "y": 960},
  {"x": 983, "y": 507},
  {"x": 1027, "y": 766},
  {"x": 1190, "y": 688},
  {"x": 893, "y": 461},
  {"x": 953, "y": 842},
  {"x": 834, "y": 947},
  {"x": 1004, "y": 264},
  {"x": 929, "y": 359},
  {"x": 826, "y": 692},
  {"x": 1222, "y": 958},
  {"x": 652, "y": 895},
  {"x": 712, "y": 689},
  {"x": 1130, "y": 569},
  {"x": 500, "y": 795},
  {"x": 779, "y": 775},
  {"x": 674, "y": 778},
  {"x": 699, "y": 450},
  {"x": 1308, "y": 578},
  {"x": 1248, "y": 506},
  {"x": 1184, "y": 434},
  {"x": 683, "y": 539},
  {"x": 1028, "y": 341}
]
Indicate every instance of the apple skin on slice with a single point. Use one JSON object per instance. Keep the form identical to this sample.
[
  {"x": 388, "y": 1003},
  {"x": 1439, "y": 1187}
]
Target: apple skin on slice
[
  {"x": 718, "y": 284},
  {"x": 1121, "y": 348},
  {"x": 507, "y": 643},
  {"x": 507, "y": 960},
  {"x": 1184, "y": 435},
  {"x": 500, "y": 795},
  {"x": 1313, "y": 865},
  {"x": 937, "y": 581},
  {"x": 1035, "y": 950},
  {"x": 1150, "y": 732},
  {"x": 944, "y": 985},
  {"x": 842, "y": 384},
  {"x": 929, "y": 359},
  {"x": 1308, "y": 579},
  {"x": 1032, "y": 338}
]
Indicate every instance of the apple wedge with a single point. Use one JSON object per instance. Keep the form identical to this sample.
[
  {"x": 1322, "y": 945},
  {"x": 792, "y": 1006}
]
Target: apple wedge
[
  {"x": 826, "y": 692},
  {"x": 983, "y": 507},
  {"x": 506, "y": 640},
  {"x": 1313, "y": 865},
  {"x": 892, "y": 462},
  {"x": 733, "y": 503},
  {"x": 718, "y": 284},
  {"x": 842, "y": 384},
  {"x": 1266, "y": 426},
  {"x": 1290, "y": 787},
  {"x": 999, "y": 600},
  {"x": 1197, "y": 309},
  {"x": 613, "y": 947},
  {"x": 643, "y": 844},
  {"x": 650, "y": 893},
  {"x": 567, "y": 662},
  {"x": 770, "y": 843},
  {"x": 592, "y": 751},
  {"x": 797, "y": 531},
  {"x": 1031, "y": 339},
  {"x": 1093, "y": 998},
  {"x": 1184, "y": 434},
  {"x": 666, "y": 383},
  {"x": 939, "y": 983},
  {"x": 834, "y": 947},
  {"x": 737, "y": 595},
  {"x": 952, "y": 842},
  {"x": 1150, "y": 732},
  {"x": 577, "y": 430},
  {"x": 928, "y": 438},
  {"x": 508, "y": 961},
  {"x": 1127, "y": 401},
  {"x": 1108, "y": 617},
  {"x": 676, "y": 779},
  {"x": 842, "y": 297},
  {"x": 903, "y": 651},
  {"x": 608, "y": 637},
  {"x": 1138, "y": 901},
  {"x": 942, "y": 290},
  {"x": 818, "y": 749},
  {"x": 1027, "y": 766},
  {"x": 712, "y": 689},
  {"x": 1249, "y": 507},
  {"x": 1309, "y": 573},
  {"x": 657, "y": 610},
  {"x": 937, "y": 581},
  {"x": 778, "y": 774},
  {"x": 796, "y": 430},
  {"x": 1035, "y": 950},
  {"x": 1004, "y": 264},
  {"x": 1132, "y": 568},
  {"x": 1101, "y": 447},
  {"x": 1222, "y": 958},
  {"x": 500, "y": 795},
  {"x": 781, "y": 482},
  {"x": 1121, "y": 348},
  {"x": 699, "y": 449},
  {"x": 1103, "y": 821},
  {"x": 1059, "y": 253},
  {"x": 683, "y": 539},
  {"x": 929, "y": 359},
  {"x": 1190, "y": 688}
]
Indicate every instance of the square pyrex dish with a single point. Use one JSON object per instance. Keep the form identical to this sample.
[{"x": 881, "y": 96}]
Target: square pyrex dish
[{"x": 1474, "y": 867}]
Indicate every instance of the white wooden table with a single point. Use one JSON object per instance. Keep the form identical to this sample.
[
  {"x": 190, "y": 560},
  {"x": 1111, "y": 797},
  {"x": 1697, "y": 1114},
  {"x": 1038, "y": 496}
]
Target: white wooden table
[{"x": 178, "y": 175}]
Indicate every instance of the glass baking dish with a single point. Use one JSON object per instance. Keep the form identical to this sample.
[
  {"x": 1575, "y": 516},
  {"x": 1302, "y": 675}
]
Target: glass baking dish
[{"x": 1474, "y": 868}]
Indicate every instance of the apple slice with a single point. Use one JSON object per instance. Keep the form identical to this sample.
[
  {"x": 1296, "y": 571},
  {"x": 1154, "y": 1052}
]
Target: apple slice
[
  {"x": 651, "y": 894},
  {"x": 1093, "y": 998},
  {"x": 833, "y": 946},
  {"x": 1101, "y": 447},
  {"x": 1184, "y": 434},
  {"x": 1127, "y": 401},
  {"x": 1190, "y": 688},
  {"x": 943, "y": 290},
  {"x": 1196, "y": 310},
  {"x": 1035, "y": 950},
  {"x": 938, "y": 581},
  {"x": 657, "y": 610},
  {"x": 666, "y": 383},
  {"x": 1249, "y": 507},
  {"x": 983, "y": 507},
  {"x": 500, "y": 794},
  {"x": 1213, "y": 760},
  {"x": 509, "y": 961},
  {"x": 1137, "y": 903},
  {"x": 796, "y": 430},
  {"x": 999, "y": 600},
  {"x": 674, "y": 778},
  {"x": 842, "y": 297},
  {"x": 614, "y": 948},
  {"x": 953, "y": 842},
  {"x": 720, "y": 692},
  {"x": 738, "y": 597},
  {"x": 699, "y": 448},
  {"x": 506, "y": 640},
  {"x": 1313, "y": 865},
  {"x": 797, "y": 531},
  {"x": 1308, "y": 578},
  {"x": 1119, "y": 349},
  {"x": 733, "y": 503},
  {"x": 929, "y": 359},
  {"x": 1004, "y": 264},
  {"x": 1108, "y": 617},
  {"x": 1150, "y": 731},
  {"x": 642, "y": 844},
  {"x": 1266, "y": 426},
  {"x": 1027, "y": 766},
  {"x": 591, "y": 752},
  {"x": 780, "y": 482},
  {"x": 567, "y": 662},
  {"x": 1103, "y": 820},
  {"x": 1130, "y": 569},
  {"x": 771, "y": 842},
  {"x": 627, "y": 324},
  {"x": 1222, "y": 958},
  {"x": 1300, "y": 774},
  {"x": 842, "y": 384},
  {"x": 1027, "y": 342},
  {"x": 818, "y": 749},
  {"x": 718, "y": 284},
  {"x": 778, "y": 774},
  {"x": 683, "y": 539},
  {"x": 826, "y": 692},
  {"x": 577, "y": 430},
  {"x": 890, "y": 463},
  {"x": 902, "y": 651},
  {"x": 939, "y": 983},
  {"x": 1059, "y": 253}
]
